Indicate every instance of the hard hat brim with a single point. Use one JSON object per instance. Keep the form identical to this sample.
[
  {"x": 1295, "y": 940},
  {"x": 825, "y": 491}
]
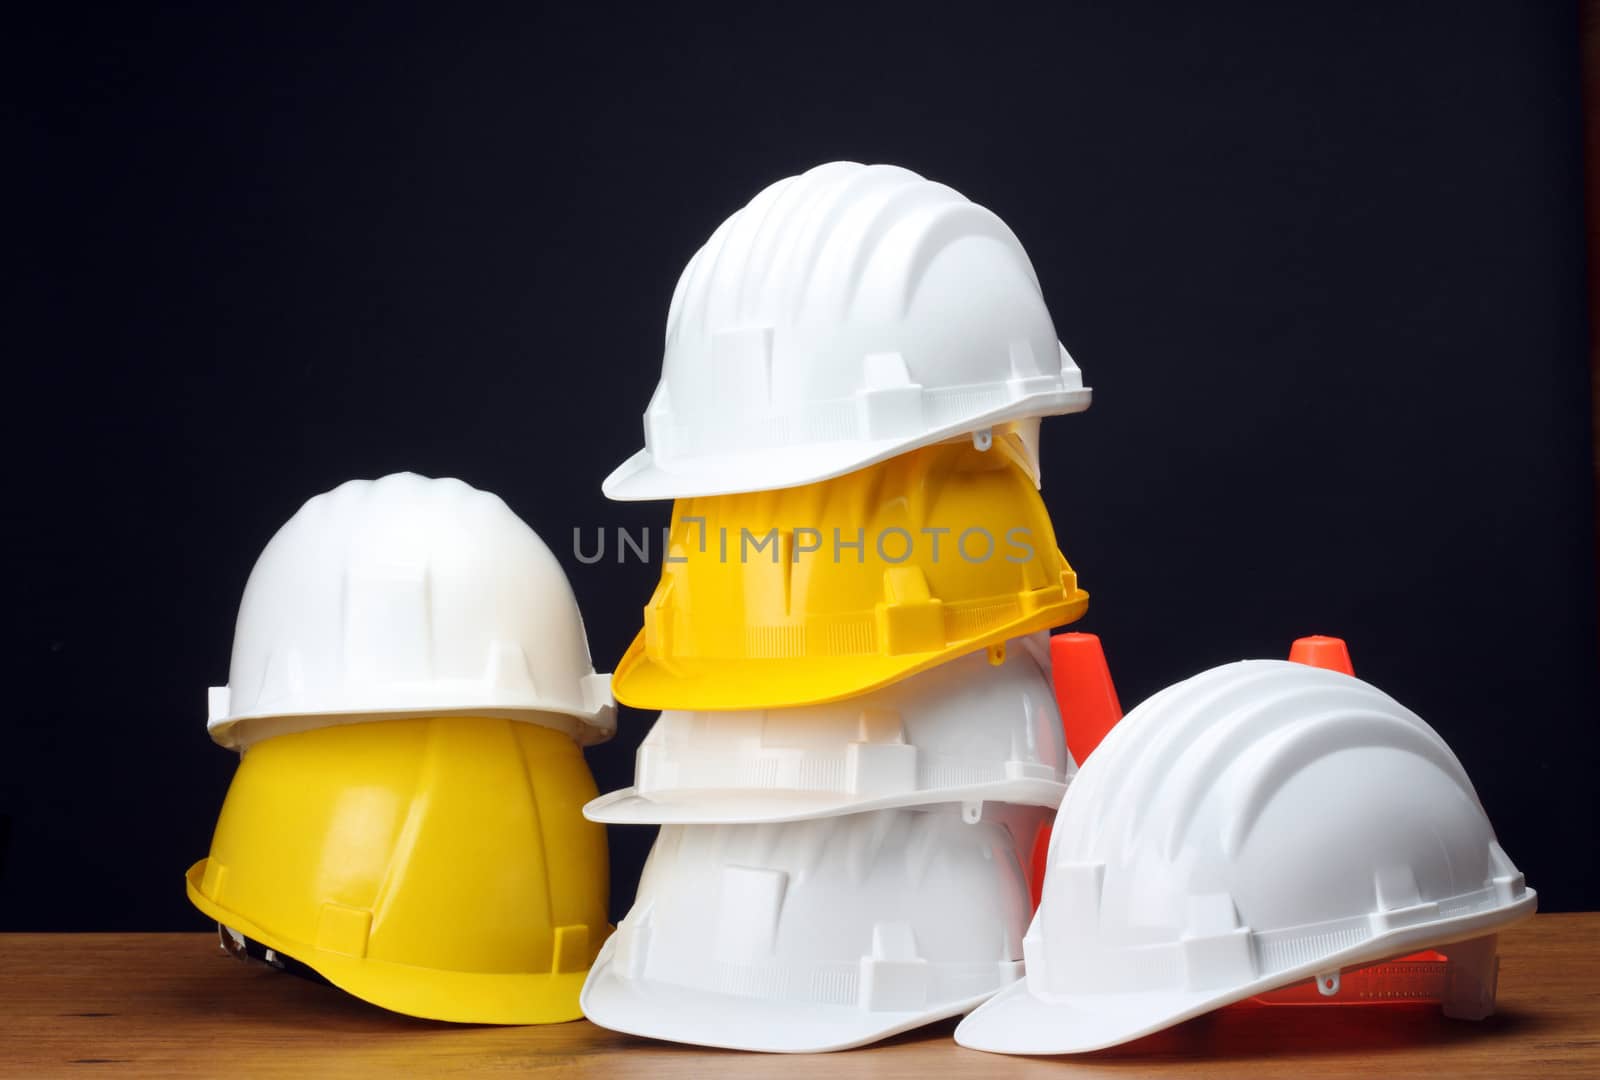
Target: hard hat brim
[
  {"x": 587, "y": 727},
  {"x": 645, "y": 683},
  {"x": 642, "y": 477},
  {"x": 1017, "y": 1021},
  {"x": 719, "y": 807},
  {"x": 454, "y": 996},
  {"x": 702, "y": 1018}
]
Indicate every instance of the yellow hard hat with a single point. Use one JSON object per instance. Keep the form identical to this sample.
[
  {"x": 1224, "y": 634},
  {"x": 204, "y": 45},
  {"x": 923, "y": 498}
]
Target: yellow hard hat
[
  {"x": 439, "y": 867},
  {"x": 815, "y": 593}
]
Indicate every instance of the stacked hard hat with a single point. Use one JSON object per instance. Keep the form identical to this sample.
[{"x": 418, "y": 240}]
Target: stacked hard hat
[
  {"x": 410, "y": 691},
  {"x": 1260, "y": 829},
  {"x": 858, "y": 738}
]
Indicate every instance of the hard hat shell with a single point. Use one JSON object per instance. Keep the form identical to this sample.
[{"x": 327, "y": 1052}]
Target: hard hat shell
[
  {"x": 966, "y": 731},
  {"x": 954, "y": 552},
  {"x": 406, "y": 596},
  {"x": 1259, "y": 824},
  {"x": 436, "y": 866},
  {"x": 846, "y": 315},
  {"x": 813, "y": 935}
]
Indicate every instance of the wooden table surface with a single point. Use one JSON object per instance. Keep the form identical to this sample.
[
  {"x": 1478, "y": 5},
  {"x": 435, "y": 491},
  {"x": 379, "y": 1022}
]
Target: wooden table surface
[{"x": 175, "y": 1005}]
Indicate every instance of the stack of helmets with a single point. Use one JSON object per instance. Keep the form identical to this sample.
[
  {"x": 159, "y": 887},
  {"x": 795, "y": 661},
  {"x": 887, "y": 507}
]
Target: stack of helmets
[
  {"x": 410, "y": 692},
  {"x": 858, "y": 737}
]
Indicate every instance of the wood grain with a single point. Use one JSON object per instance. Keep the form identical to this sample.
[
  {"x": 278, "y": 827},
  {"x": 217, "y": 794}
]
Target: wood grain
[{"x": 174, "y": 1005}]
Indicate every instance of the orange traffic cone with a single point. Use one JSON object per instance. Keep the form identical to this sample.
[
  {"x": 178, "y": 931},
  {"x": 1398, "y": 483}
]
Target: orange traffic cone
[
  {"x": 1323, "y": 652},
  {"x": 1089, "y": 708},
  {"x": 1084, "y": 692}
]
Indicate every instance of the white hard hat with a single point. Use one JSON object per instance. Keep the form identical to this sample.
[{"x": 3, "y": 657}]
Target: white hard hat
[
  {"x": 844, "y": 316},
  {"x": 813, "y": 935},
  {"x": 406, "y": 596},
  {"x": 970, "y": 730},
  {"x": 1257, "y": 825}
]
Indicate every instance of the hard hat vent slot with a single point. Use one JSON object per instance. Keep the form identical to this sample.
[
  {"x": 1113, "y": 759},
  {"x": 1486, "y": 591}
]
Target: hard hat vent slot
[
  {"x": 388, "y": 624},
  {"x": 213, "y": 880},
  {"x": 1025, "y": 365},
  {"x": 752, "y": 901},
  {"x": 894, "y": 978},
  {"x": 216, "y": 704},
  {"x": 506, "y": 670},
  {"x": 571, "y": 952},
  {"x": 742, "y": 362},
  {"x": 881, "y": 768},
  {"x": 344, "y": 930}
]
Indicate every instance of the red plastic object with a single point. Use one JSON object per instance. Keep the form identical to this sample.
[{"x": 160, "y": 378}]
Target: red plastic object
[
  {"x": 1089, "y": 708},
  {"x": 1041, "y": 849},
  {"x": 1323, "y": 652},
  {"x": 1084, "y": 692}
]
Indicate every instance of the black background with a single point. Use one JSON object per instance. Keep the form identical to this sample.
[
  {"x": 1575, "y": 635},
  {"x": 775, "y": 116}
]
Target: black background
[{"x": 1322, "y": 266}]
